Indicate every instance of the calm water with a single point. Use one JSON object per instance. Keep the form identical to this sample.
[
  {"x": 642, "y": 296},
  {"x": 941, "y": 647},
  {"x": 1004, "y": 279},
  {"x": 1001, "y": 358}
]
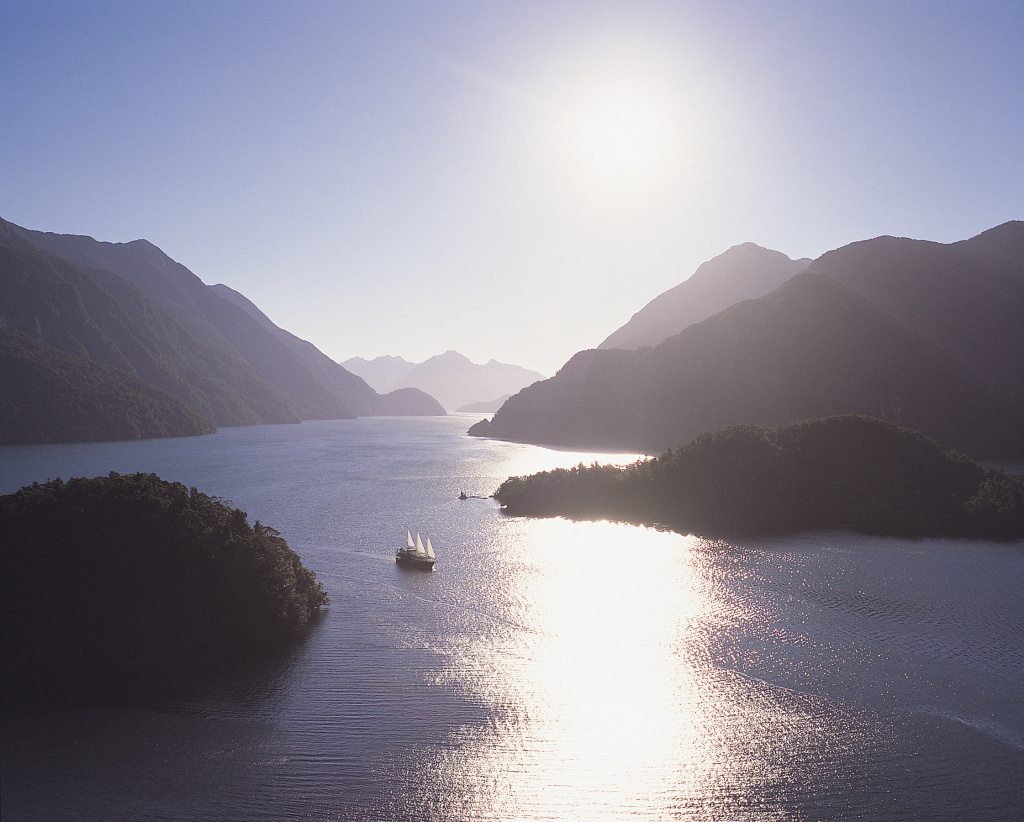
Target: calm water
[{"x": 548, "y": 669}]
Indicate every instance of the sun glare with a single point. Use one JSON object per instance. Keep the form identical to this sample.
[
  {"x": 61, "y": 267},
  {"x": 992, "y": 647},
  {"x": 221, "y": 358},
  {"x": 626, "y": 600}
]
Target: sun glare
[{"x": 621, "y": 133}]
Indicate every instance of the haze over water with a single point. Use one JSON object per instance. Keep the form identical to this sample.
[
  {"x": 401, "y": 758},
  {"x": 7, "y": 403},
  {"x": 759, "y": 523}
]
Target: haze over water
[{"x": 549, "y": 669}]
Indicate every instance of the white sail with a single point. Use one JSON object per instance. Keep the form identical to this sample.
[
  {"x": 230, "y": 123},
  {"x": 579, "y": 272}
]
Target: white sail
[
  {"x": 420, "y": 552},
  {"x": 408, "y": 540},
  {"x": 430, "y": 549}
]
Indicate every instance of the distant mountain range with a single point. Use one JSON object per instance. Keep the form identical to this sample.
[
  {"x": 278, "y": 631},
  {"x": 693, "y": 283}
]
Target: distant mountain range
[
  {"x": 79, "y": 316},
  {"x": 455, "y": 380},
  {"x": 488, "y": 407},
  {"x": 921, "y": 334}
]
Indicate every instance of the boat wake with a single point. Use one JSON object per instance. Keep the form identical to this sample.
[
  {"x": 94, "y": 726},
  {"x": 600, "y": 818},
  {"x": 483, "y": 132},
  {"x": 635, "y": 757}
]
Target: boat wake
[{"x": 990, "y": 728}]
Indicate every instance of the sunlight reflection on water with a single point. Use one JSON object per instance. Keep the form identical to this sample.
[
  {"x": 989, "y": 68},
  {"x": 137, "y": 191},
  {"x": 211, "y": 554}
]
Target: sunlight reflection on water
[{"x": 589, "y": 694}]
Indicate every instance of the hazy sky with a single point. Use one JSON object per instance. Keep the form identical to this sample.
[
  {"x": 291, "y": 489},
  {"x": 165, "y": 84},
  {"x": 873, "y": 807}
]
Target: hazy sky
[{"x": 512, "y": 180}]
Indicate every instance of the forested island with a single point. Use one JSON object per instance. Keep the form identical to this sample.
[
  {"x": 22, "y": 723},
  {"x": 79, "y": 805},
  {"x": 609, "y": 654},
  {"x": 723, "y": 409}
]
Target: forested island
[
  {"x": 842, "y": 472},
  {"x": 120, "y": 583}
]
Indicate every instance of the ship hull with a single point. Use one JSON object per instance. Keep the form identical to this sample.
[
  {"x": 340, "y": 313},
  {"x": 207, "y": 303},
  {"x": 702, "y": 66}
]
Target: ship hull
[{"x": 414, "y": 561}]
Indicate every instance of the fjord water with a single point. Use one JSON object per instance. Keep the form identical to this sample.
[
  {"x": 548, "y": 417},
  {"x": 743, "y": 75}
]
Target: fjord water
[{"x": 548, "y": 669}]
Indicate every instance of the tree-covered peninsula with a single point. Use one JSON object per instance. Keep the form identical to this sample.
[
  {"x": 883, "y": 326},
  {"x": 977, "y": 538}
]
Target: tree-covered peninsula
[
  {"x": 843, "y": 472},
  {"x": 112, "y": 584}
]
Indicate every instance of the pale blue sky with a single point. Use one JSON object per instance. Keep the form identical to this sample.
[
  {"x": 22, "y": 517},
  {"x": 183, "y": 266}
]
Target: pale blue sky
[{"x": 406, "y": 178}]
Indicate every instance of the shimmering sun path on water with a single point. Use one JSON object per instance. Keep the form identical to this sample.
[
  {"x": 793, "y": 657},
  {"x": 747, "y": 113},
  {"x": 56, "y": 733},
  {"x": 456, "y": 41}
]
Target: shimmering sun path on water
[{"x": 583, "y": 678}]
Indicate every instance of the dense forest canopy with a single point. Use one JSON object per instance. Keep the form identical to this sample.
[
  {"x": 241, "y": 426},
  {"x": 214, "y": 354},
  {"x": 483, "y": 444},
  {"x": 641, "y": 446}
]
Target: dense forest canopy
[
  {"x": 843, "y": 472},
  {"x": 123, "y": 581},
  {"x": 59, "y": 397}
]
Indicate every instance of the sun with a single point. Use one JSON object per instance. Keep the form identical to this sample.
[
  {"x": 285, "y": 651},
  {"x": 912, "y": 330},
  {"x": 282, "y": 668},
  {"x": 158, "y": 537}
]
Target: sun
[{"x": 620, "y": 133}]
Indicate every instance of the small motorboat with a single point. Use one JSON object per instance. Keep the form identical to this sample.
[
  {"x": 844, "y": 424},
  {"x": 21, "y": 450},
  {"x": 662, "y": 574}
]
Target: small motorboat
[{"x": 415, "y": 554}]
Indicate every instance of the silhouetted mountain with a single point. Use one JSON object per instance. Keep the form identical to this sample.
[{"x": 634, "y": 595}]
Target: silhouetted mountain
[
  {"x": 741, "y": 273},
  {"x": 211, "y": 320},
  {"x": 346, "y": 386},
  {"x": 845, "y": 472},
  {"x": 965, "y": 298},
  {"x": 148, "y": 317},
  {"x": 243, "y": 302},
  {"x": 451, "y": 377},
  {"x": 382, "y": 373},
  {"x": 483, "y": 407},
  {"x": 95, "y": 314},
  {"x": 921, "y": 334}
]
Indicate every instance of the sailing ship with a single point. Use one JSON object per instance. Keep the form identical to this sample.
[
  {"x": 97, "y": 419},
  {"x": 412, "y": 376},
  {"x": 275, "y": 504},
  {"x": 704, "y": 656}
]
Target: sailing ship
[{"x": 415, "y": 554}]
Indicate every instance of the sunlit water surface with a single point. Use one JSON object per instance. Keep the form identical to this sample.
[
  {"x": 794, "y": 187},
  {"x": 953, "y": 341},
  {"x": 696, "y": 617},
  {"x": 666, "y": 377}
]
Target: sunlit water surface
[{"x": 549, "y": 669}]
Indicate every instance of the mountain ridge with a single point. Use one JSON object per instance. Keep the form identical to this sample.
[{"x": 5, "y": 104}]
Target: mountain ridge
[
  {"x": 850, "y": 334},
  {"x": 744, "y": 271},
  {"x": 95, "y": 314},
  {"x": 130, "y": 307},
  {"x": 210, "y": 319},
  {"x": 452, "y": 377}
]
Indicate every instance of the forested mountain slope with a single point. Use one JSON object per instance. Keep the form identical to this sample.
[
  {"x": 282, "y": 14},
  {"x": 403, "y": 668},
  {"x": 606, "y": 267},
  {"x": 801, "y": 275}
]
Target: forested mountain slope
[{"x": 920, "y": 334}]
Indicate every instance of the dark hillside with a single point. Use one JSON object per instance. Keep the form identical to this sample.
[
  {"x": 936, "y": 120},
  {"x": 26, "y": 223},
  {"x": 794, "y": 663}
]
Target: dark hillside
[
  {"x": 97, "y": 315},
  {"x": 212, "y": 321},
  {"x": 919, "y": 334},
  {"x": 965, "y": 298},
  {"x": 51, "y": 396},
  {"x": 131, "y": 308}
]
